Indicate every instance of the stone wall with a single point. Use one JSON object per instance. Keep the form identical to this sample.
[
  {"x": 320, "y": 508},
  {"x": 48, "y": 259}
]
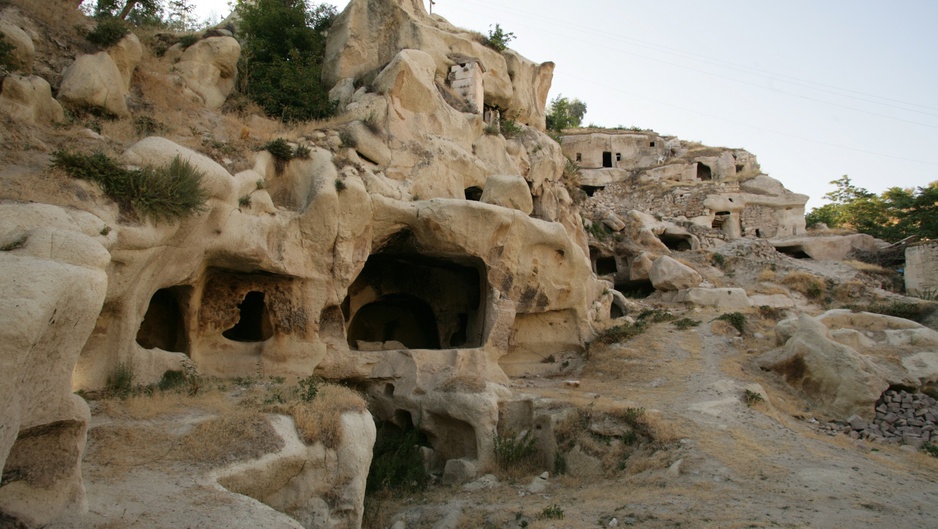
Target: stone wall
[{"x": 921, "y": 268}]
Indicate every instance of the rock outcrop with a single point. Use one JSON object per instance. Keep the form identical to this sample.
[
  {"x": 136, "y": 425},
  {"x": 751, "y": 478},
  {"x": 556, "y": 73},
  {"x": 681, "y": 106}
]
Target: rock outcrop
[
  {"x": 209, "y": 68},
  {"x": 29, "y": 100},
  {"x": 102, "y": 80}
]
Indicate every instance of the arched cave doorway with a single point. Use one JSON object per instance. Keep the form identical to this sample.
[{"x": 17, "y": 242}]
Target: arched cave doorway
[
  {"x": 703, "y": 172},
  {"x": 676, "y": 243},
  {"x": 398, "y": 317},
  {"x": 164, "y": 326},
  {"x": 473, "y": 193},
  {"x": 419, "y": 300},
  {"x": 254, "y": 323}
]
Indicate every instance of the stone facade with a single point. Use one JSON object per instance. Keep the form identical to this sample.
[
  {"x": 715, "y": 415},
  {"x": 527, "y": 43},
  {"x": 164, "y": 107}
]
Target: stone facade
[{"x": 921, "y": 268}]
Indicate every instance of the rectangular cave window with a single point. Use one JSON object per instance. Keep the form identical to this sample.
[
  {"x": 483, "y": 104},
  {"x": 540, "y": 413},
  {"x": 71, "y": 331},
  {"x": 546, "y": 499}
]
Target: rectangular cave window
[
  {"x": 618, "y": 156},
  {"x": 579, "y": 157},
  {"x": 651, "y": 144},
  {"x": 606, "y": 266},
  {"x": 607, "y": 159}
]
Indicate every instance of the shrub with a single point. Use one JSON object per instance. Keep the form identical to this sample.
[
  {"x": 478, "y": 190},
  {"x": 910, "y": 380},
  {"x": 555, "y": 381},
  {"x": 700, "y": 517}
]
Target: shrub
[
  {"x": 514, "y": 451},
  {"x": 655, "y": 315},
  {"x": 621, "y": 333},
  {"x": 498, "y": 39},
  {"x": 339, "y": 185},
  {"x": 685, "y": 323},
  {"x": 397, "y": 464},
  {"x": 145, "y": 125},
  {"x": 108, "y": 32},
  {"x": 552, "y": 512},
  {"x": 15, "y": 244},
  {"x": 736, "y": 319},
  {"x": 308, "y": 388},
  {"x": 930, "y": 449},
  {"x": 509, "y": 128},
  {"x": 188, "y": 40},
  {"x": 121, "y": 380},
  {"x": 244, "y": 201},
  {"x": 752, "y": 398},
  {"x": 169, "y": 193},
  {"x": 916, "y": 312}
]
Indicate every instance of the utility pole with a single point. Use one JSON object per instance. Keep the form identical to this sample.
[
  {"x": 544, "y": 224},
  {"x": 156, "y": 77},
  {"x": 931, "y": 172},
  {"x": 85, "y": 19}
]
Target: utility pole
[{"x": 431, "y": 6}]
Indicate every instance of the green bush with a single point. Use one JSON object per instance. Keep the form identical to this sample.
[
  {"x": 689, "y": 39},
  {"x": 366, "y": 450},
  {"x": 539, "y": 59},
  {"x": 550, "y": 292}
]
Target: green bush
[
  {"x": 188, "y": 40},
  {"x": 514, "y": 451},
  {"x": 498, "y": 39},
  {"x": 308, "y": 388},
  {"x": 510, "y": 128},
  {"x": 281, "y": 60},
  {"x": 108, "y": 32},
  {"x": 736, "y": 319},
  {"x": 685, "y": 323},
  {"x": 752, "y": 398},
  {"x": 621, "y": 333},
  {"x": 397, "y": 464},
  {"x": 169, "y": 193},
  {"x": 552, "y": 512},
  {"x": 655, "y": 315}
]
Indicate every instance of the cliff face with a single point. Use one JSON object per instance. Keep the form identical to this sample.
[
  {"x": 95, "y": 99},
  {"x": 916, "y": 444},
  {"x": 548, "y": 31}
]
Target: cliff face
[{"x": 413, "y": 245}]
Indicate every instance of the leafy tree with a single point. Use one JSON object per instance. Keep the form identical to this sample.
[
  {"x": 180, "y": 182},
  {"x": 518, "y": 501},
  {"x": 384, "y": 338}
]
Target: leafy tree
[
  {"x": 174, "y": 14},
  {"x": 892, "y": 216},
  {"x": 565, "y": 113},
  {"x": 282, "y": 53}
]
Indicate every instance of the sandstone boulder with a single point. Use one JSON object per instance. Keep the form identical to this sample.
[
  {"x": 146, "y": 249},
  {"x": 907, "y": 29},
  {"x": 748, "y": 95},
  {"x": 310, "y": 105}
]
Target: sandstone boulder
[
  {"x": 509, "y": 192},
  {"x": 126, "y": 55},
  {"x": 669, "y": 274},
  {"x": 29, "y": 100},
  {"x": 23, "y": 48},
  {"x": 830, "y": 247},
  {"x": 53, "y": 285},
  {"x": 95, "y": 81},
  {"x": 209, "y": 68},
  {"x": 840, "y": 379},
  {"x": 721, "y": 298}
]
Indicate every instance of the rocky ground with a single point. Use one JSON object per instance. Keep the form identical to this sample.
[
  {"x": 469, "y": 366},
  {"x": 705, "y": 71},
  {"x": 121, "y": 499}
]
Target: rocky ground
[{"x": 721, "y": 462}]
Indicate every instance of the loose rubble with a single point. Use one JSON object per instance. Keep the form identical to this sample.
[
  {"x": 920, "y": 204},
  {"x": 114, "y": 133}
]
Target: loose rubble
[{"x": 901, "y": 418}]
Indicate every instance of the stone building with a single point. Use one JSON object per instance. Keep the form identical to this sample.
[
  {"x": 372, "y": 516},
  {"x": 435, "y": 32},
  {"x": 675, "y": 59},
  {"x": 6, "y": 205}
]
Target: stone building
[{"x": 921, "y": 268}]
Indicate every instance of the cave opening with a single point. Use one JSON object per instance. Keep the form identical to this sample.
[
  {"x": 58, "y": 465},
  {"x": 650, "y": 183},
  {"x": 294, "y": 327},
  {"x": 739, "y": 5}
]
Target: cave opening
[
  {"x": 606, "y": 266},
  {"x": 793, "y": 251},
  {"x": 164, "y": 325},
  {"x": 676, "y": 243},
  {"x": 421, "y": 301},
  {"x": 639, "y": 289},
  {"x": 254, "y": 323},
  {"x": 591, "y": 190},
  {"x": 703, "y": 172},
  {"x": 473, "y": 193}
]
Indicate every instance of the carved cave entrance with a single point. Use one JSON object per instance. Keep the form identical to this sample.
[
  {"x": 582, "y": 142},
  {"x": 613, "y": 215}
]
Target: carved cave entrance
[
  {"x": 164, "y": 324},
  {"x": 703, "y": 172},
  {"x": 420, "y": 301},
  {"x": 254, "y": 323},
  {"x": 676, "y": 243}
]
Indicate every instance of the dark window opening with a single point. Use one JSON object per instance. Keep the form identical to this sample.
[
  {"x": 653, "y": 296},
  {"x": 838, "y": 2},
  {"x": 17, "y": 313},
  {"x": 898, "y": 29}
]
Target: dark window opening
[
  {"x": 618, "y": 156},
  {"x": 651, "y": 144},
  {"x": 676, "y": 243},
  {"x": 719, "y": 219},
  {"x": 758, "y": 233},
  {"x": 703, "y": 172},
  {"x": 606, "y": 266},
  {"x": 739, "y": 168},
  {"x": 636, "y": 289},
  {"x": 163, "y": 326},
  {"x": 579, "y": 157},
  {"x": 591, "y": 190},
  {"x": 254, "y": 323},
  {"x": 607, "y": 159},
  {"x": 474, "y": 193}
]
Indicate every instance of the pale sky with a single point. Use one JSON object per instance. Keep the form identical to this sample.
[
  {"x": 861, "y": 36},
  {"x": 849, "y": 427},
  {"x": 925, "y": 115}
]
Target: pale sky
[{"x": 815, "y": 89}]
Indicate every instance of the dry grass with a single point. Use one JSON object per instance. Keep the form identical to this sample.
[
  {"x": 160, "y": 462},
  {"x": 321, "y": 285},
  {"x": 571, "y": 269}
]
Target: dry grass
[
  {"x": 463, "y": 384},
  {"x": 117, "y": 449},
  {"x": 811, "y": 286},
  {"x": 767, "y": 274},
  {"x": 849, "y": 291},
  {"x": 320, "y": 420},
  {"x": 162, "y": 404},
  {"x": 228, "y": 438}
]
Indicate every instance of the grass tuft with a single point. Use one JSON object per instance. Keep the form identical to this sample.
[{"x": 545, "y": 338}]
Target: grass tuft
[{"x": 736, "y": 319}]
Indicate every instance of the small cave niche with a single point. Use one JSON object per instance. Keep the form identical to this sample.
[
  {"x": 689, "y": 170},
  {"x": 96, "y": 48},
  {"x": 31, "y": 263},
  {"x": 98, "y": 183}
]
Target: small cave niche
[
  {"x": 164, "y": 325},
  {"x": 704, "y": 174},
  {"x": 740, "y": 168},
  {"x": 676, "y": 243},
  {"x": 607, "y": 158},
  {"x": 254, "y": 323},
  {"x": 615, "y": 311},
  {"x": 421, "y": 301},
  {"x": 606, "y": 266},
  {"x": 651, "y": 144},
  {"x": 474, "y": 193},
  {"x": 397, "y": 458},
  {"x": 639, "y": 289},
  {"x": 332, "y": 322},
  {"x": 450, "y": 438},
  {"x": 796, "y": 252},
  {"x": 591, "y": 190}
]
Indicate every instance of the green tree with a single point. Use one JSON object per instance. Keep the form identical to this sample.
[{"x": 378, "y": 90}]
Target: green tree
[
  {"x": 282, "y": 53},
  {"x": 892, "y": 216},
  {"x": 498, "y": 38},
  {"x": 565, "y": 113}
]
